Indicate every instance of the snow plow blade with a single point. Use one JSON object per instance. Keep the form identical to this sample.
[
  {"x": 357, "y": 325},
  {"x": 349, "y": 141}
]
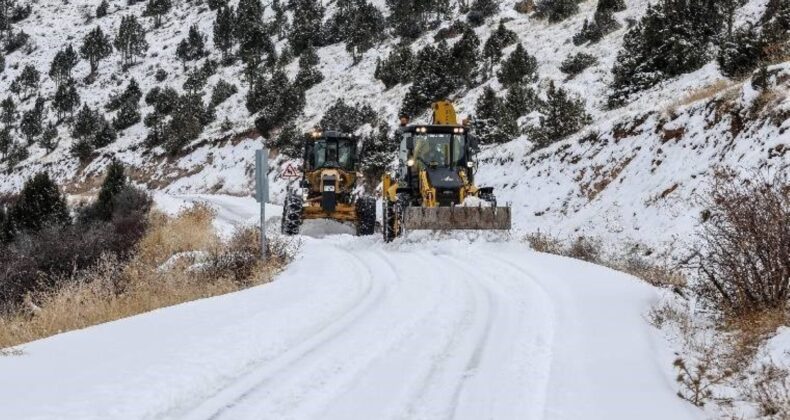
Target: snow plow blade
[{"x": 457, "y": 218}]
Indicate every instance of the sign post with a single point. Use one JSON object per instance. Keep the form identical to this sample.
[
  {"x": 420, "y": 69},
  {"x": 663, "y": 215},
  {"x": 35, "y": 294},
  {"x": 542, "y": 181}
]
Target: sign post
[{"x": 262, "y": 192}]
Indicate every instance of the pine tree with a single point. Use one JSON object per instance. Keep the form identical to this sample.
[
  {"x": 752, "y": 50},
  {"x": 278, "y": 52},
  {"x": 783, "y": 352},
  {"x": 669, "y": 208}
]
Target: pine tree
[
  {"x": 521, "y": 100},
  {"x": 224, "y": 38},
  {"x": 193, "y": 47},
  {"x": 217, "y": 4},
  {"x": 49, "y": 138},
  {"x": 31, "y": 124},
  {"x": 6, "y": 142},
  {"x": 101, "y": 10},
  {"x": 105, "y": 135},
  {"x": 66, "y": 99},
  {"x": 482, "y": 9},
  {"x": 82, "y": 149},
  {"x": 497, "y": 125},
  {"x": 29, "y": 80},
  {"x": 86, "y": 123},
  {"x": 378, "y": 150},
  {"x": 397, "y": 68},
  {"x": 157, "y": 9},
  {"x": 308, "y": 16},
  {"x": 95, "y": 48},
  {"x": 275, "y": 102},
  {"x": 131, "y": 93},
  {"x": 501, "y": 38},
  {"x": 130, "y": 40},
  {"x": 186, "y": 124},
  {"x": 573, "y": 65},
  {"x": 222, "y": 91},
  {"x": 63, "y": 63},
  {"x": 466, "y": 56},
  {"x": 364, "y": 30},
  {"x": 347, "y": 118},
  {"x": 40, "y": 204},
  {"x": 518, "y": 68},
  {"x": 308, "y": 75},
  {"x": 253, "y": 47},
  {"x": 562, "y": 115},
  {"x": 127, "y": 116},
  {"x": 8, "y": 113},
  {"x": 114, "y": 183},
  {"x": 740, "y": 54},
  {"x": 557, "y": 10},
  {"x": 410, "y": 18},
  {"x": 432, "y": 81},
  {"x": 280, "y": 23}
]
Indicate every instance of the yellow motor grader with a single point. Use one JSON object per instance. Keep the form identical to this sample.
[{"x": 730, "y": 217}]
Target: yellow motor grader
[
  {"x": 328, "y": 186},
  {"x": 434, "y": 187}
]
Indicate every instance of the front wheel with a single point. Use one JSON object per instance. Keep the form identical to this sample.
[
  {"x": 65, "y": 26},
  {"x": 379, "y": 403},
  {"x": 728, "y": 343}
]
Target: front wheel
[
  {"x": 366, "y": 216},
  {"x": 293, "y": 211}
]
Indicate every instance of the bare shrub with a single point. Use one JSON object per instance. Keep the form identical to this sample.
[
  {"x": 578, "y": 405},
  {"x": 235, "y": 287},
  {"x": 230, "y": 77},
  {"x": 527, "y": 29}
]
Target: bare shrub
[
  {"x": 541, "y": 242},
  {"x": 190, "y": 230},
  {"x": 698, "y": 378},
  {"x": 770, "y": 391},
  {"x": 237, "y": 260},
  {"x": 656, "y": 274},
  {"x": 744, "y": 260},
  {"x": 585, "y": 249}
]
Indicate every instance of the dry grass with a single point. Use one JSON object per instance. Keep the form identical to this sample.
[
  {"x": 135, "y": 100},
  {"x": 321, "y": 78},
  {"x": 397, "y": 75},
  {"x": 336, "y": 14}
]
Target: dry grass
[
  {"x": 113, "y": 290},
  {"x": 705, "y": 92}
]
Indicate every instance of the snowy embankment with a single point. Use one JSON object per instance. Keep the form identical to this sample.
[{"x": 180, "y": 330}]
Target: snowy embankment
[{"x": 358, "y": 329}]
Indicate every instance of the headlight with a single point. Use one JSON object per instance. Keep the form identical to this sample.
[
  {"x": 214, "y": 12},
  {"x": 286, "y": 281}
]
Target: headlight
[
  {"x": 470, "y": 164},
  {"x": 410, "y": 163}
]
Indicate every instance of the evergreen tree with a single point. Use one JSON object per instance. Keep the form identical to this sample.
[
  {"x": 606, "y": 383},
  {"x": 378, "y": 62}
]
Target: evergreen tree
[
  {"x": 289, "y": 142},
  {"x": 275, "y": 102},
  {"x": 482, "y": 9},
  {"x": 432, "y": 81},
  {"x": 501, "y": 38},
  {"x": 253, "y": 47},
  {"x": 114, "y": 183},
  {"x": 562, "y": 115},
  {"x": 101, "y": 10},
  {"x": 130, "y": 40},
  {"x": 308, "y": 16},
  {"x": 127, "y": 116},
  {"x": 397, "y": 68},
  {"x": 224, "y": 38},
  {"x": 31, "y": 124},
  {"x": 602, "y": 24},
  {"x": 557, "y": 10},
  {"x": 222, "y": 91},
  {"x": 741, "y": 52},
  {"x": 364, "y": 30},
  {"x": 518, "y": 68},
  {"x": 132, "y": 94},
  {"x": 49, "y": 138},
  {"x": 378, "y": 149},
  {"x": 280, "y": 23},
  {"x": 86, "y": 123},
  {"x": 521, "y": 100},
  {"x": 40, "y": 204},
  {"x": 29, "y": 80},
  {"x": 308, "y": 75},
  {"x": 347, "y": 118},
  {"x": 6, "y": 142},
  {"x": 497, "y": 125},
  {"x": 66, "y": 99},
  {"x": 157, "y": 9},
  {"x": 106, "y": 134},
  {"x": 573, "y": 65},
  {"x": 217, "y": 4},
  {"x": 82, "y": 149},
  {"x": 410, "y": 18},
  {"x": 193, "y": 47},
  {"x": 63, "y": 63},
  {"x": 8, "y": 113},
  {"x": 186, "y": 124},
  {"x": 95, "y": 48},
  {"x": 466, "y": 56}
]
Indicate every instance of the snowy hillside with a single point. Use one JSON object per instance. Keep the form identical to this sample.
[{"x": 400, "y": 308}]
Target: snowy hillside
[{"x": 632, "y": 173}]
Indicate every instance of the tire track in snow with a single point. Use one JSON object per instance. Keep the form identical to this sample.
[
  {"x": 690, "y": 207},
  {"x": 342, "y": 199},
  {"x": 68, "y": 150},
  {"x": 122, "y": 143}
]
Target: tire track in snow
[{"x": 214, "y": 406}]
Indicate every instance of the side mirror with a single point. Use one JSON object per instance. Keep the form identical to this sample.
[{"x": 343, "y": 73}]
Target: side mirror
[{"x": 410, "y": 143}]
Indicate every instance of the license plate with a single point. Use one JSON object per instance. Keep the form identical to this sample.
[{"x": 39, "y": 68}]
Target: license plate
[{"x": 329, "y": 188}]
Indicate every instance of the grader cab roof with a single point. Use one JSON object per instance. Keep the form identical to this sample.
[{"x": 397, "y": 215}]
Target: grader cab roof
[{"x": 329, "y": 134}]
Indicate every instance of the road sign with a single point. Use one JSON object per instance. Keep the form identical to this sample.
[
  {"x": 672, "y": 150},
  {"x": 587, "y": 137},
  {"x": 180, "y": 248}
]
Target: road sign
[{"x": 290, "y": 172}]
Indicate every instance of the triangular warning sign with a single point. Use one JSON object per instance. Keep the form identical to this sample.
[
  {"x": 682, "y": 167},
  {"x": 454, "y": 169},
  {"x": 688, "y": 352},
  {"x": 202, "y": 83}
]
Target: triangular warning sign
[{"x": 290, "y": 172}]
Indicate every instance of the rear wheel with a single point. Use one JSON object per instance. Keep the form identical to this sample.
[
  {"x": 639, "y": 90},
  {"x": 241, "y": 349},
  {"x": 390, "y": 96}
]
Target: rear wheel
[
  {"x": 366, "y": 216},
  {"x": 293, "y": 211}
]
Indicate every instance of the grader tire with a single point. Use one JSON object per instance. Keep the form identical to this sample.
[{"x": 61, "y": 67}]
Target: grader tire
[
  {"x": 366, "y": 216},
  {"x": 293, "y": 212}
]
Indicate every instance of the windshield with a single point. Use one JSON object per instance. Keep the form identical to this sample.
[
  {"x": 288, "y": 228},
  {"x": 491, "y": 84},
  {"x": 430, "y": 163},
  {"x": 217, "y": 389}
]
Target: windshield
[
  {"x": 442, "y": 150},
  {"x": 332, "y": 153}
]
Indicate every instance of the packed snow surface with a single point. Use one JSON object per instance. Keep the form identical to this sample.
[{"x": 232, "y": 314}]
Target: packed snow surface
[{"x": 358, "y": 329}]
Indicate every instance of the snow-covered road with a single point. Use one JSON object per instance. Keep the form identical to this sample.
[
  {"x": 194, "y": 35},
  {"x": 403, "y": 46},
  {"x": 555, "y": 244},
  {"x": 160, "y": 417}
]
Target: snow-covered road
[{"x": 356, "y": 329}]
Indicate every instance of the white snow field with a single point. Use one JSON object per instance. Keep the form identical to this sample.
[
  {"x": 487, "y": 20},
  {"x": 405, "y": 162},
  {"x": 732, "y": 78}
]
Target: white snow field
[{"x": 356, "y": 329}]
